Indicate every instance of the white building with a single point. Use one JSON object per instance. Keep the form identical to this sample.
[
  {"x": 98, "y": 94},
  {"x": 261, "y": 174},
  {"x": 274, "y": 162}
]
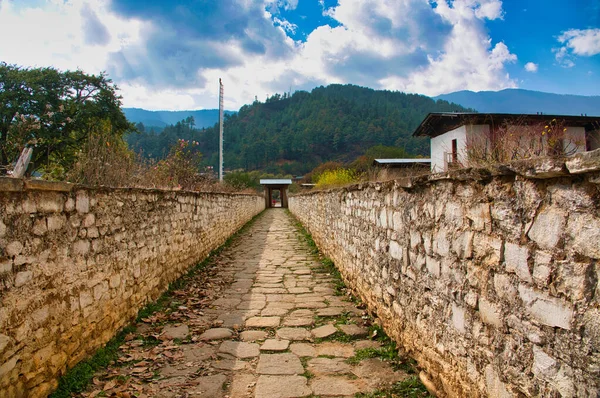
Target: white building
[{"x": 461, "y": 139}]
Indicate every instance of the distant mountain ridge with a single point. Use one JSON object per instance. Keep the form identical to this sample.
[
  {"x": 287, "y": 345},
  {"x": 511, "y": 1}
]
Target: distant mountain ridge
[
  {"x": 525, "y": 101},
  {"x": 202, "y": 118}
]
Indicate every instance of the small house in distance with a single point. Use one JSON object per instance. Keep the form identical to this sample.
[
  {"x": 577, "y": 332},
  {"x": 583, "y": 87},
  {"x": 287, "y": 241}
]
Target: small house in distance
[
  {"x": 276, "y": 192},
  {"x": 393, "y": 168},
  {"x": 467, "y": 139}
]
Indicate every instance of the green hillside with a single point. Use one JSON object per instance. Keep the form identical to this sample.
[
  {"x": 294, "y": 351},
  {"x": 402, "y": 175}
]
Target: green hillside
[{"x": 293, "y": 134}]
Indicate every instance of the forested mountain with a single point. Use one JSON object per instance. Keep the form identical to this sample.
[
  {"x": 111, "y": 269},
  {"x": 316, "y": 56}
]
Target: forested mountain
[
  {"x": 525, "y": 101},
  {"x": 161, "y": 119},
  {"x": 293, "y": 134}
]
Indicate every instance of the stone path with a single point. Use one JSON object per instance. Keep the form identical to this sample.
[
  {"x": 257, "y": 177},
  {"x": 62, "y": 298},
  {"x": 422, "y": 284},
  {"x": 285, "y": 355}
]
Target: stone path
[{"x": 268, "y": 326}]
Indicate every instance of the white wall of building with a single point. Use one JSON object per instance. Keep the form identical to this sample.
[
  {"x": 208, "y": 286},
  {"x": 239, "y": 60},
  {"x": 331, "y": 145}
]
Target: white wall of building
[{"x": 443, "y": 144}]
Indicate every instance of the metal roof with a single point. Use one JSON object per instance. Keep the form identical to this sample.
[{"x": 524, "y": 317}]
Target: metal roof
[
  {"x": 402, "y": 161},
  {"x": 282, "y": 181},
  {"x": 438, "y": 123}
]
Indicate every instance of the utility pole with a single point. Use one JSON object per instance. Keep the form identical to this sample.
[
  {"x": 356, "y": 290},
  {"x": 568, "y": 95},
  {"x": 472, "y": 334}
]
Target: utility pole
[{"x": 220, "y": 130}]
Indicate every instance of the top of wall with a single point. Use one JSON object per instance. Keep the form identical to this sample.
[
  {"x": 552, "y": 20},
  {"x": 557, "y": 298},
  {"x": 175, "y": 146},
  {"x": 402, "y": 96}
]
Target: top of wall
[
  {"x": 9, "y": 184},
  {"x": 585, "y": 164}
]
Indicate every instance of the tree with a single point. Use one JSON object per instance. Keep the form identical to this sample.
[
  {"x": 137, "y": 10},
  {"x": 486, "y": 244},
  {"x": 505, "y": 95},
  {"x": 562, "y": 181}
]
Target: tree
[{"x": 55, "y": 113}]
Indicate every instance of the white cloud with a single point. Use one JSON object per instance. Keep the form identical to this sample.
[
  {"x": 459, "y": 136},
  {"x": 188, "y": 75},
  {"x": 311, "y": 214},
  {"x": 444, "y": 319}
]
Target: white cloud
[
  {"x": 531, "y": 67},
  {"x": 286, "y": 25},
  {"x": 288, "y": 5},
  {"x": 563, "y": 57},
  {"x": 582, "y": 42},
  {"x": 467, "y": 61},
  {"x": 390, "y": 44},
  {"x": 55, "y": 35}
]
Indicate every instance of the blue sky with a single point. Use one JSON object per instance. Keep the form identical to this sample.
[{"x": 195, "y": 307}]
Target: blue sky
[{"x": 170, "y": 54}]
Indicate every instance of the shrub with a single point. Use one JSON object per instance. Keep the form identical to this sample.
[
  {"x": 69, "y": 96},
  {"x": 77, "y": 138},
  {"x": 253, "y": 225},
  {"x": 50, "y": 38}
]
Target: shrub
[
  {"x": 241, "y": 180},
  {"x": 314, "y": 175},
  {"x": 180, "y": 169},
  {"x": 337, "y": 177},
  {"x": 519, "y": 140},
  {"x": 103, "y": 160}
]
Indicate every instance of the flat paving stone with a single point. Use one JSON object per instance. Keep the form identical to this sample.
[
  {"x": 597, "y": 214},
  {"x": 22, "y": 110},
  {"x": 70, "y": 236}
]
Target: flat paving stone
[
  {"x": 303, "y": 350},
  {"x": 285, "y": 298},
  {"x": 273, "y": 312},
  {"x": 296, "y": 290},
  {"x": 240, "y": 349},
  {"x": 329, "y": 366},
  {"x": 210, "y": 386},
  {"x": 281, "y": 304},
  {"x": 172, "y": 332},
  {"x": 335, "y": 349},
  {"x": 377, "y": 373},
  {"x": 323, "y": 290},
  {"x": 197, "y": 352},
  {"x": 330, "y": 311},
  {"x": 282, "y": 387},
  {"x": 253, "y": 335},
  {"x": 216, "y": 334},
  {"x": 294, "y": 321},
  {"x": 324, "y": 331},
  {"x": 302, "y": 272},
  {"x": 303, "y": 313},
  {"x": 362, "y": 344},
  {"x": 333, "y": 386},
  {"x": 354, "y": 330},
  {"x": 311, "y": 304},
  {"x": 229, "y": 364},
  {"x": 269, "y": 290},
  {"x": 252, "y": 305},
  {"x": 236, "y": 319},
  {"x": 226, "y": 302},
  {"x": 263, "y": 322},
  {"x": 242, "y": 385},
  {"x": 275, "y": 345},
  {"x": 279, "y": 364},
  {"x": 294, "y": 334}
]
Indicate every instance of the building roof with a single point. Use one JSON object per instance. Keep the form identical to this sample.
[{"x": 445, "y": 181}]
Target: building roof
[
  {"x": 400, "y": 163},
  {"x": 436, "y": 124},
  {"x": 282, "y": 181}
]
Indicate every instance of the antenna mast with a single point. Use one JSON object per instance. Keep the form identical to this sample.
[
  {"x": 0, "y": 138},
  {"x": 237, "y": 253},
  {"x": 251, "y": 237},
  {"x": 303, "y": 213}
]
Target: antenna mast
[{"x": 220, "y": 130}]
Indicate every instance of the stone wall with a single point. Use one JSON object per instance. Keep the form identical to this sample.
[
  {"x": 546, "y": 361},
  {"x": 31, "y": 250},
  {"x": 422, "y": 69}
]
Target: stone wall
[
  {"x": 488, "y": 278},
  {"x": 76, "y": 264}
]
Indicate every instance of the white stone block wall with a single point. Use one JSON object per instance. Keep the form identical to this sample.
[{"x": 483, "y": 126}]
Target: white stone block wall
[
  {"x": 490, "y": 284},
  {"x": 76, "y": 265}
]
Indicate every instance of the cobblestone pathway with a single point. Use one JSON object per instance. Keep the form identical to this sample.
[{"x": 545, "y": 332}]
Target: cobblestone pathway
[{"x": 269, "y": 325}]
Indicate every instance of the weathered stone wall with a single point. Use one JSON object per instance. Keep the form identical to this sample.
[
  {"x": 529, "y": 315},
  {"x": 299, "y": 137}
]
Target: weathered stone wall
[
  {"x": 489, "y": 279},
  {"x": 76, "y": 264}
]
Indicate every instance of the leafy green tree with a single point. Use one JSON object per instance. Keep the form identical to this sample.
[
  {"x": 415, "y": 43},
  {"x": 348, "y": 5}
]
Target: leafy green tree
[
  {"x": 55, "y": 113},
  {"x": 292, "y": 134}
]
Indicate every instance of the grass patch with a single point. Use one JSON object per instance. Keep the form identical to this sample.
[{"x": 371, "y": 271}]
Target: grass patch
[
  {"x": 308, "y": 374},
  {"x": 409, "y": 388},
  {"x": 387, "y": 352},
  {"x": 342, "y": 319},
  {"x": 79, "y": 377}
]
